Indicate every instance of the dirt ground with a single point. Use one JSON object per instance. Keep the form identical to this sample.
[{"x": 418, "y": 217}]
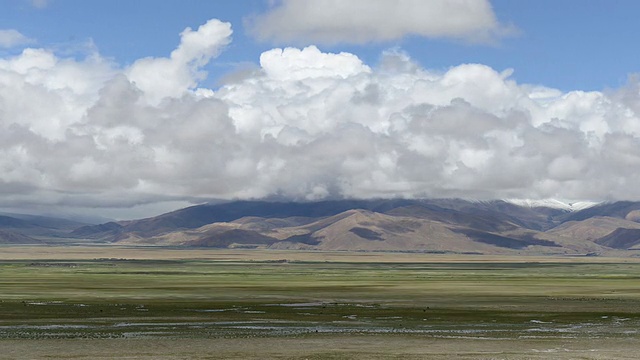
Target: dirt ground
[{"x": 322, "y": 347}]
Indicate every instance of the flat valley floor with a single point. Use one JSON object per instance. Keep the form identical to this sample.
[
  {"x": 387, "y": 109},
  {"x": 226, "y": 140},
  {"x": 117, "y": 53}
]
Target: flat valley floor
[
  {"x": 321, "y": 347},
  {"x": 105, "y": 302}
]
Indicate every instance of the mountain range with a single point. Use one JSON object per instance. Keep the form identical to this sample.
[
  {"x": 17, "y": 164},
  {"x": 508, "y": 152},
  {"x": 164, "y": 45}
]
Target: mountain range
[{"x": 431, "y": 226}]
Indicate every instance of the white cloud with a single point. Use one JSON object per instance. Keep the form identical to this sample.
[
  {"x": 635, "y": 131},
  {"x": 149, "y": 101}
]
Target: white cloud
[
  {"x": 10, "y": 38},
  {"x": 363, "y": 21},
  {"x": 173, "y": 76},
  {"x": 45, "y": 94},
  {"x": 39, "y": 4},
  {"x": 306, "y": 125},
  {"x": 296, "y": 64}
]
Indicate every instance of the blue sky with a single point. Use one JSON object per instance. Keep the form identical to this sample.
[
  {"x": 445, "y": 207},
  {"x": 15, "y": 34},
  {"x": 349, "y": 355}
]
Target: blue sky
[
  {"x": 569, "y": 44},
  {"x": 131, "y": 108}
]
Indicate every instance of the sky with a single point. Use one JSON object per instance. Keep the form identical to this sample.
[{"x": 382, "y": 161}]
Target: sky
[{"x": 127, "y": 109}]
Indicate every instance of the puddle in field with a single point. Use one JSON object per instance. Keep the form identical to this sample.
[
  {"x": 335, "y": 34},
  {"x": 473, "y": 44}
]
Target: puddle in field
[
  {"x": 307, "y": 304},
  {"x": 44, "y": 303},
  {"x": 541, "y": 330},
  {"x": 597, "y": 327},
  {"x": 42, "y": 327},
  {"x": 324, "y": 304}
]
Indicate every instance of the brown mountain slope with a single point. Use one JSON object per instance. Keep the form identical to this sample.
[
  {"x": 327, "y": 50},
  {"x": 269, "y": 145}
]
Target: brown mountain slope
[
  {"x": 622, "y": 239},
  {"x": 368, "y": 231},
  {"x": 618, "y": 209},
  {"x": 592, "y": 228},
  {"x": 446, "y": 225},
  {"x": 256, "y": 223},
  {"x": 364, "y": 230},
  {"x": 486, "y": 216}
]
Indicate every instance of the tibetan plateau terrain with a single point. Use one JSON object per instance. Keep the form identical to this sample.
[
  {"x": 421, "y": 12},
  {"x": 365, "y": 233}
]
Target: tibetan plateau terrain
[{"x": 430, "y": 226}]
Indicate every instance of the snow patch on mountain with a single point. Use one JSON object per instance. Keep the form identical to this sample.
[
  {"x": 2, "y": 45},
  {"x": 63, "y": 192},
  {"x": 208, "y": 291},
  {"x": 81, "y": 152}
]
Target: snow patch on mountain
[{"x": 553, "y": 203}]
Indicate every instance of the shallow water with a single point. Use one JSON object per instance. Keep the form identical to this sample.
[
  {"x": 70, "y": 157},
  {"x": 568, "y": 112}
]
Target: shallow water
[
  {"x": 261, "y": 327},
  {"x": 287, "y": 319}
]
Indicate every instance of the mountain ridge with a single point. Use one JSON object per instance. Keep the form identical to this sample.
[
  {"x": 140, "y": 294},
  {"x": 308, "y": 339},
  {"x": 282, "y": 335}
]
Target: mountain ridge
[
  {"x": 423, "y": 225},
  {"x": 429, "y": 225}
]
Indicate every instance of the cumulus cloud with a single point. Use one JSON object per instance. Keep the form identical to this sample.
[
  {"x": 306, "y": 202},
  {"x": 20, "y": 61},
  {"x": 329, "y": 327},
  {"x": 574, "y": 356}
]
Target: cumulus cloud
[
  {"x": 363, "y": 21},
  {"x": 159, "y": 78},
  {"x": 306, "y": 125},
  {"x": 10, "y": 38}
]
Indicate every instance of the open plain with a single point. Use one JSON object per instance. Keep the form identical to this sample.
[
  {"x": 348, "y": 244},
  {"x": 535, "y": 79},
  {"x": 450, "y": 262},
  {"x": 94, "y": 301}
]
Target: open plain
[{"x": 87, "y": 302}]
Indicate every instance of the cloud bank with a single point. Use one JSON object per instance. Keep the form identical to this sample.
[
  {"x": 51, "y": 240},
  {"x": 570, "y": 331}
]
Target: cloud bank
[
  {"x": 11, "y": 37},
  {"x": 364, "y": 21},
  {"x": 307, "y": 125}
]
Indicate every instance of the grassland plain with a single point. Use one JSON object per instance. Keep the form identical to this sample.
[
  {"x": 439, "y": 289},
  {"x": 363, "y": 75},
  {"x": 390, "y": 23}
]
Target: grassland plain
[{"x": 148, "y": 303}]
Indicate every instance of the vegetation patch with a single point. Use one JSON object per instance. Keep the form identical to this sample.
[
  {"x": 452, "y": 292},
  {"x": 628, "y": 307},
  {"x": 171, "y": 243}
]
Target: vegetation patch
[
  {"x": 367, "y": 233},
  {"x": 113, "y": 298}
]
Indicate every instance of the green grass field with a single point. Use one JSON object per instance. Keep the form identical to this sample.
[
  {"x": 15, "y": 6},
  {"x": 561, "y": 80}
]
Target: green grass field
[{"x": 311, "y": 296}]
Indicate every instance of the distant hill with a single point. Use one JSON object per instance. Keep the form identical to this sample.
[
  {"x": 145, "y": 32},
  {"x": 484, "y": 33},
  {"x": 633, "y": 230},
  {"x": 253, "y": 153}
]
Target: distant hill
[
  {"x": 10, "y": 237},
  {"x": 592, "y": 228},
  {"x": 621, "y": 239},
  {"x": 33, "y": 226},
  {"x": 14, "y": 223},
  {"x": 426, "y": 225},
  {"x": 619, "y": 209},
  {"x": 43, "y": 221},
  {"x": 435, "y": 225},
  {"x": 200, "y": 215},
  {"x": 105, "y": 230}
]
